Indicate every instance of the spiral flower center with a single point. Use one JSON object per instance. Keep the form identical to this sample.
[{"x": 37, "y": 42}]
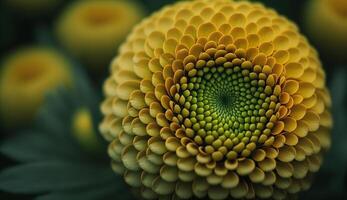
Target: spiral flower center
[{"x": 226, "y": 102}]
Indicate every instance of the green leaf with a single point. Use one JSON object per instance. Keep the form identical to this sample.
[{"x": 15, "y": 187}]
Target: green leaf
[
  {"x": 59, "y": 102},
  {"x": 51, "y": 176},
  {"x": 90, "y": 194},
  {"x": 84, "y": 93},
  {"x": 106, "y": 191},
  {"x": 29, "y": 146},
  {"x": 50, "y": 123}
]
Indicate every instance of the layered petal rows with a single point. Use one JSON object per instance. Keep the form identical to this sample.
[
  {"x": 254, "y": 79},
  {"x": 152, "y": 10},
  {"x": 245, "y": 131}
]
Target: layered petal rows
[{"x": 216, "y": 99}]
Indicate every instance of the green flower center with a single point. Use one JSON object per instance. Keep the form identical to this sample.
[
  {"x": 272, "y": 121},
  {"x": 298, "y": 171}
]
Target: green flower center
[
  {"x": 225, "y": 101},
  {"x": 225, "y": 105}
]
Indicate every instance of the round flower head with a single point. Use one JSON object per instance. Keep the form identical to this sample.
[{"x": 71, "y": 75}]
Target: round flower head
[
  {"x": 326, "y": 22},
  {"x": 92, "y": 29},
  {"x": 26, "y": 76},
  {"x": 216, "y": 99}
]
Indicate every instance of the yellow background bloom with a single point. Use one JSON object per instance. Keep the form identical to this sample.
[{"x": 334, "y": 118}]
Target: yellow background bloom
[
  {"x": 326, "y": 22},
  {"x": 92, "y": 29},
  {"x": 26, "y": 76},
  {"x": 83, "y": 130}
]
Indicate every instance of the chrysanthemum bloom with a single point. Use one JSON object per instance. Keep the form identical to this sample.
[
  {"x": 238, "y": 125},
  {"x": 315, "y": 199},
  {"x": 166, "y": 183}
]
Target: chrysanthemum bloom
[
  {"x": 92, "y": 29},
  {"x": 33, "y": 7},
  {"x": 83, "y": 129},
  {"x": 216, "y": 99},
  {"x": 26, "y": 76},
  {"x": 326, "y": 22}
]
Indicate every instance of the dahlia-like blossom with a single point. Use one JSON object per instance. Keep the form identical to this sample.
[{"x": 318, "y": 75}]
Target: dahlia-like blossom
[
  {"x": 216, "y": 99},
  {"x": 92, "y": 29},
  {"x": 25, "y": 78}
]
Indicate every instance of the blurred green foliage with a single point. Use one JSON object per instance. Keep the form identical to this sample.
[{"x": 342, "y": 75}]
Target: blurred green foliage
[{"x": 51, "y": 161}]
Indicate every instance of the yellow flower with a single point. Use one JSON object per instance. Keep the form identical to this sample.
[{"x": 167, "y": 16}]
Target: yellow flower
[
  {"x": 216, "y": 99},
  {"x": 83, "y": 129},
  {"x": 92, "y": 30},
  {"x": 26, "y": 76},
  {"x": 33, "y": 7},
  {"x": 326, "y": 22}
]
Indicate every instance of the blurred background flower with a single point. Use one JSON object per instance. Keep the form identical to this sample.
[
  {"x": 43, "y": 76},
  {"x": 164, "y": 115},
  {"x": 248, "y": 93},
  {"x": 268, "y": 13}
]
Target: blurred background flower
[
  {"x": 326, "y": 23},
  {"x": 62, "y": 156},
  {"x": 26, "y": 76},
  {"x": 92, "y": 29},
  {"x": 83, "y": 129},
  {"x": 52, "y": 127}
]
